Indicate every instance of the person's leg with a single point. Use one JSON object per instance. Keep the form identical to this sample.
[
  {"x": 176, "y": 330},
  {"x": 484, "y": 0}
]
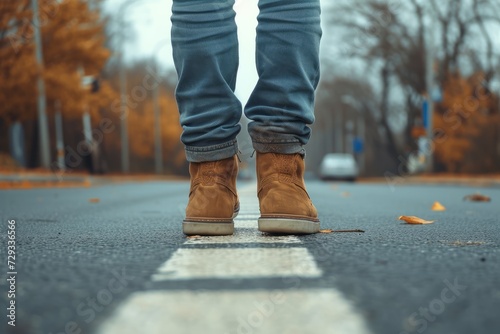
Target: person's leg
[
  {"x": 282, "y": 104},
  {"x": 205, "y": 49},
  {"x": 280, "y": 109}
]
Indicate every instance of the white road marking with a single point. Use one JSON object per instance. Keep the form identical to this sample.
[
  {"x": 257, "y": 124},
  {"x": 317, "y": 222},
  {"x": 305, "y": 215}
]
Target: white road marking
[
  {"x": 247, "y": 216},
  {"x": 246, "y": 224},
  {"x": 227, "y": 263},
  {"x": 256, "y": 311},
  {"x": 248, "y": 235}
]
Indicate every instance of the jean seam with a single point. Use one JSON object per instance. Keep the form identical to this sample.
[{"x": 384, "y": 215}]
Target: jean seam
[
  {"x": 283, "y": 141},
  {"x": 210, "y": 148}
]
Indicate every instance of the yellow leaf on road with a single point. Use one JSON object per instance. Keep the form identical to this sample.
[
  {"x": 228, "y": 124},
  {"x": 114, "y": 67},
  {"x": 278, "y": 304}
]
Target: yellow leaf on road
[
  {"x": 438, "y": 207},
  {"x": 415, "y": 220},
  {"x": 94, "y": 200},
  {"x": 325, "y": 231}
]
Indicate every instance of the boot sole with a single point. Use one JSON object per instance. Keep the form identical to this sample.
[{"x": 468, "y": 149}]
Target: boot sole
[
  {"x": 288, "y": 226},
  {"x": 209, "y": 226}
]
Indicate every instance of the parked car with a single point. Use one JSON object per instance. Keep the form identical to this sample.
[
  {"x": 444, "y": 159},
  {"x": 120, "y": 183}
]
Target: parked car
[{"x": 339, "y": 166}]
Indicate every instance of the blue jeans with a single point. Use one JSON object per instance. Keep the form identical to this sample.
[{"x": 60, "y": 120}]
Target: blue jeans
[{"x": 205, "y": 50}]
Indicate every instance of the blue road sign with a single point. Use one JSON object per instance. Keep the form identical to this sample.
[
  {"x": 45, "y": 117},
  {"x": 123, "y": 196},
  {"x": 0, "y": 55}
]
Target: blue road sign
[
  {"x": 357, "y": 145},
  {"x": 425, "y": 113}
]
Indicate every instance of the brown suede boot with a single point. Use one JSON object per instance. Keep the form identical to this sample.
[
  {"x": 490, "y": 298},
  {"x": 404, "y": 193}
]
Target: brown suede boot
[
  {"x": 285, "y": 206},
  {"x": 213, "y": 201}
]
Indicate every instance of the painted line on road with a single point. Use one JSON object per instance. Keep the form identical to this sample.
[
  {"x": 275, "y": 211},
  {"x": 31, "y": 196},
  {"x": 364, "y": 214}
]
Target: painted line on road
[
  {"x": 207, "y": 263},
  {"x": 244, "y": 236},
  {"x": 246, "y": 224},
  {"x": 247, "y": 216},
  {"x": 257, "y": 311}
]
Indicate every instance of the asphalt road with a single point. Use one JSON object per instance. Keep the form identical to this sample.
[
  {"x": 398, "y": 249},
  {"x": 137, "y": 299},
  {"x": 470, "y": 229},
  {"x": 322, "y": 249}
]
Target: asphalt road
[{"x": 112, "y": 259}]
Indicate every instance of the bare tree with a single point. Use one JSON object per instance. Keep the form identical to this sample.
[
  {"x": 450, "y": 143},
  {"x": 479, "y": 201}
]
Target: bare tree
[{"x": 392, "y": 38}]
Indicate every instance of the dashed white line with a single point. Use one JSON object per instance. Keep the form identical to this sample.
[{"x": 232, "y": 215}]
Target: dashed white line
[
  {"x": 244, "y": 236},
  {"x": 244, "y": 312},
  {"x": 245, "y": 224},
  {"x": 228, "y": 263},
  {"x": 251, "y": 215}
]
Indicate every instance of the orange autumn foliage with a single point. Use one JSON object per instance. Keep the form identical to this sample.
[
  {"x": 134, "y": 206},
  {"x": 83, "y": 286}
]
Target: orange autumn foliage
[
  {"x": 142, "y": 127},
  {"x": 72, "y": 38},
  {"x": 466, "y": 110}
]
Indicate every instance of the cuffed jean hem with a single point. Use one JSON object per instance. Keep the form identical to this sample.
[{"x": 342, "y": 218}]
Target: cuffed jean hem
[
  {"x": 281, "y": 148},
  {"x": 211, "y": 153}
]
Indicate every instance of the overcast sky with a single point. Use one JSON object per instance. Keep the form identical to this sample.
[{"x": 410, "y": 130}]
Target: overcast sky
[{"x": 149, "y": 34}]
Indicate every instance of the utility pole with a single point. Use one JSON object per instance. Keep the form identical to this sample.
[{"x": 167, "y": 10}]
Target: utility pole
[
  {"x": 330, "y": 132},
  {"x": 362, "y": 137},
  {"x": 158, "y": 153},
  {"x": 349, "y": 138},
  {"x": 157, "y": 111},
  {"x": 358, "y": 145},
  {"x": 339, "y": 131},
  {"x": 59, "y": 137},
  {"x": 430, "y": 102},
  {"x": 125, "y": 157},
  {"x": 43, "y": 126},
  {"x": 124, "y": 117}
]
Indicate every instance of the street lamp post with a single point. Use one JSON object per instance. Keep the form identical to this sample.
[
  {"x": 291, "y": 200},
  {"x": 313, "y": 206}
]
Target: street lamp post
[{"x": 42, "y": 102}]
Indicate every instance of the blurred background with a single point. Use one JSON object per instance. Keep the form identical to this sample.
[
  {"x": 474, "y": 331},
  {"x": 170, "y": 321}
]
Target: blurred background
[{"x": 408, "y": 86}]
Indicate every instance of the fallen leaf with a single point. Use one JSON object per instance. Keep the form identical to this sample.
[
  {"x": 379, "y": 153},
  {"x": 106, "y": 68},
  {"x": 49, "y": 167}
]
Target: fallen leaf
[
  {"x": 415, "y": 220},
  {"x": 345, "y": 194},
  {"x": 341, "y": 231},
  {"x": 193, "y": 236},
  {"x": 477, "y": 198},
  {"x": 438, "y": 207},
  {"x": 94, "y": 200}
]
